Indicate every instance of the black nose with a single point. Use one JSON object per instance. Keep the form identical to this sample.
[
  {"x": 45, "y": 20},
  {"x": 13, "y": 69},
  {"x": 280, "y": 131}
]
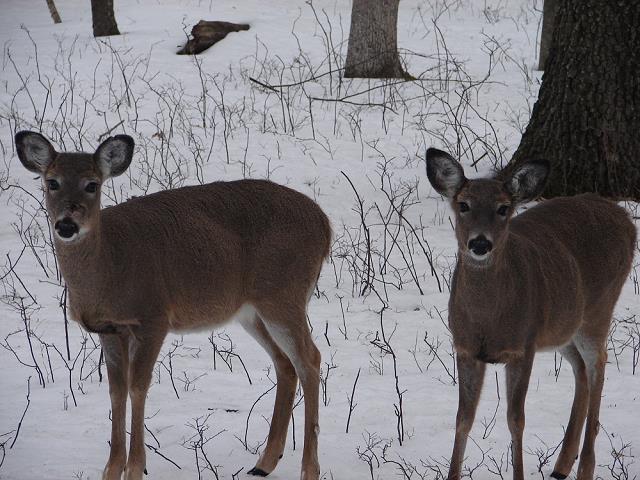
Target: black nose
[
  {"x": 480, "y": 245},
  {"x": 66, "y": 228}
]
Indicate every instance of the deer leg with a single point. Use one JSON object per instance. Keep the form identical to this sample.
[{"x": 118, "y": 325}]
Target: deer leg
[
  {"x": 518, "y": 372},
  {"x": 143, "y": 352},
  {"x": 571, "y": 441},
  {"x": 116, "y": 356},
  {"x": 470, "y": 378},
  {"x": 285, "y": 395},
  {"x": 595, "y": 357},
  {"x": 288, "y": 328}
]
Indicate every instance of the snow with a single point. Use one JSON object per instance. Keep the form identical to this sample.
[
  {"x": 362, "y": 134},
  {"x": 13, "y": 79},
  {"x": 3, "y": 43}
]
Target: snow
[{"x": 72, "y": 87}]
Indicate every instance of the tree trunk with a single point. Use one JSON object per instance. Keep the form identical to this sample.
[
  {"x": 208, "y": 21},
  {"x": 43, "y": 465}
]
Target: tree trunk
[
  {"x": 55, "y": 16},
  {"x": 104, "y": 20},
  {"x": 549, "y": 11},
  {"x": 373, "y": 45},
  {"x": 586, "y": 121}
]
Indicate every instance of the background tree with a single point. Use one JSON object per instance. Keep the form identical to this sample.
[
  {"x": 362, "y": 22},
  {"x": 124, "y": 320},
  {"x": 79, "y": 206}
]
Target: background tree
[
  {"x": 373, "y": 45},
  {"x": 586, "y": 121},
  {"x": 549, "y": 11},
  {"x": 104, "y": 20},
  {"x": 55, "y": 16}
]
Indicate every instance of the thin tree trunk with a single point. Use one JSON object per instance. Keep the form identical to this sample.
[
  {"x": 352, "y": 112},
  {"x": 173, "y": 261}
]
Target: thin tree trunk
[
  {"x": 104, "y": 20},
  {"x": 373, "y": 46},
  {"x": 549, "y": 11},
  {"x": 586, "y": 121},
  {"x": 53, "y": 11}
]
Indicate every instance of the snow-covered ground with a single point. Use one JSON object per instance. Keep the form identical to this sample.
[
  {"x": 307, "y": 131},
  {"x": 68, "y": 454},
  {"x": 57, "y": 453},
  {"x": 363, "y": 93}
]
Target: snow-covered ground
[{"x": 212, "y": 117}]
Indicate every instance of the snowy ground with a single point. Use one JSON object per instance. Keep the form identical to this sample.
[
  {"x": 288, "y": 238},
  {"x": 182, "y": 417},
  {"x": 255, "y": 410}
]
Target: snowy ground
[{"x": 203, "y": 119}]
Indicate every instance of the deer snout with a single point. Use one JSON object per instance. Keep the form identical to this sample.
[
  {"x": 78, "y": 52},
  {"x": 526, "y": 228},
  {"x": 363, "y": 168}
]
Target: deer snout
[
  {"x": 480, "y": 245},
  {"x": 66, "y": 228},
  {"x": 72, "y": 208}
]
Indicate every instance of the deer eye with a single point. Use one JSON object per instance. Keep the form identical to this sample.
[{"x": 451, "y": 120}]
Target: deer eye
[
  {"x": 503, "y": 210},
  {"x": 53, "y": 184},
  {"x": 92, "y": 187},
  {"x": 463, "y": 206}
]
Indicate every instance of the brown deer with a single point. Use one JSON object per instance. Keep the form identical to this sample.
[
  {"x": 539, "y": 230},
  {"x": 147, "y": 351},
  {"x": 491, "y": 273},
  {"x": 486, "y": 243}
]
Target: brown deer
[
  {"x": 185, "y": 259},
  {"x": 548, "y": 278}
]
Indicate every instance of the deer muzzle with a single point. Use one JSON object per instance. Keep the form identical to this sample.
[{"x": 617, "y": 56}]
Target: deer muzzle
[
  {"x": 66, "y": 228},
  {"x": 480, "y": 245}
]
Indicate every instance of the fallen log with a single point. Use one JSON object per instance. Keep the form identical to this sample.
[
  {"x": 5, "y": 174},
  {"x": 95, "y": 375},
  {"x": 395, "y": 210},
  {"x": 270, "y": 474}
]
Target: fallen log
[{"x": 206, "y": 33}]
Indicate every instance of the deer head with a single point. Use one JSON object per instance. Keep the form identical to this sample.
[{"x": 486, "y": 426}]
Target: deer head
[
  {"x": 483, "y": 207},
  {"x": 72, "y": 181}
]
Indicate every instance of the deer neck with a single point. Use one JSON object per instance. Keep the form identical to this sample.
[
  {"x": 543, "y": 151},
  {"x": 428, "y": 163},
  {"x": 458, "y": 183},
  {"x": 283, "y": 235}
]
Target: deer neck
[
  {"x": 82, "y": 262},
  {"x": 478, "y": 283}
]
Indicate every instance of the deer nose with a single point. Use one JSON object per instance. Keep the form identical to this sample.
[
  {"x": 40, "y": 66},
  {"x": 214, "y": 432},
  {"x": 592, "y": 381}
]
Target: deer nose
[
  {"x": 66, "y": 228},
  {"x": 480, "y": 245}
]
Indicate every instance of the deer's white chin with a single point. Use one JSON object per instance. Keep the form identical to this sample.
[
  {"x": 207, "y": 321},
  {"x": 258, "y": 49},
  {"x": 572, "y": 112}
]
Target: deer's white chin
[
  {"x": 477, "y": 261},
  {"x": 73, "y": 238}
]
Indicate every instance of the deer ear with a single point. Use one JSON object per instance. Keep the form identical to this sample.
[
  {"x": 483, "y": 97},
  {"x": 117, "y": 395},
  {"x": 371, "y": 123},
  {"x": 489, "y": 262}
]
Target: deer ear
[
  {"x": 113, "y": 156},
  {"x": 444, "y": 172},
  {"x": 528, "y": 181},
  {"x": 34, "y": 151}
]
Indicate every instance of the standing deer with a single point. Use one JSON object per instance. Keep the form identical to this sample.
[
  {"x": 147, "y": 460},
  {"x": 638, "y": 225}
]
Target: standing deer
[
  {"x": 548, "y": 278},
  {"x": 185, "y": 259}
]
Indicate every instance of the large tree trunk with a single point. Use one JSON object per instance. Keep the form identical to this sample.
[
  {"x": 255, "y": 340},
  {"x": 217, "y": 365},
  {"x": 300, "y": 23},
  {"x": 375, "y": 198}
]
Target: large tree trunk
[
  {"x": 586, "y": 121},
  {"x": 104, "y": 20},
  {"x": 549, "y": 12},
  {"x": 373, "y": 45}
]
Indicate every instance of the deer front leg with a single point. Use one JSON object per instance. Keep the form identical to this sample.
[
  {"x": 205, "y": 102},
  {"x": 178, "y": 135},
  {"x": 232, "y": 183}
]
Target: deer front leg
[
  {"x": 143, "y": 352},
  {"x": 470, "y": 379},
  {"x": 116, "y": 356},
  {"x": 518, "y": 373}
]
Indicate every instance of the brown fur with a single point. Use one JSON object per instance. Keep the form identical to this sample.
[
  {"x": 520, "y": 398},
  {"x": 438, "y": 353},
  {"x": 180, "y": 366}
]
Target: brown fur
[
  {"x": 185, "y": 259},
  {"x": 551, "y": 282}
]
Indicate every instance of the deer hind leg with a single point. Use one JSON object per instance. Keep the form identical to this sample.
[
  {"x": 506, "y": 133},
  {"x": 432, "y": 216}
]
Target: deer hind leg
[
  {"x": 571, "y": 442},
  {"x": 285, "y": 395},
  {"x": 470, "y": 377},
  {"x": 116, "y": 355},
  {"x": 287, "y": 325},
  {"x": 518, "y": 373},
  {"x": 143, "y": 352},
  {"x": 594, "y": 354}
]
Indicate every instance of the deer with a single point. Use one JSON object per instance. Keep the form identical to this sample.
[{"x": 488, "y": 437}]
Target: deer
[
  {"x": 545, "y": 279},
  {"x": 180, "y": 260}
]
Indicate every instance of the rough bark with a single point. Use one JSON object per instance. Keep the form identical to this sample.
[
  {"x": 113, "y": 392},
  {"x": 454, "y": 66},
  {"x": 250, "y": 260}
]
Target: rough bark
[
  {"x": 104, "y": 20},
  {"x": 55, "y": 16},
  {"x": 206, "y": 33},
  {"x": 549, "y": 12},
  {"x": 586, "y": 121},
  {"x": 373, "y": 45}
]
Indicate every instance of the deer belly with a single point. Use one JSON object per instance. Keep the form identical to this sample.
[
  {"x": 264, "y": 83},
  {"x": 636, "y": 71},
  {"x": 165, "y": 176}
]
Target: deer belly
[{"x": 92, "y": 325}]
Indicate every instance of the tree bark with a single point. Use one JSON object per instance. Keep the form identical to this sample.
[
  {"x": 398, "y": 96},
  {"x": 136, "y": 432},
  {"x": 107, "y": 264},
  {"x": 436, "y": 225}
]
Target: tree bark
[
  {"x": 549, "y": 11},
  {"x": 373, "y": 44},
  {"x": 586, "y": 121},
  {"x": 55, "y": 16},
  {"x": 104, "y": 20}
]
